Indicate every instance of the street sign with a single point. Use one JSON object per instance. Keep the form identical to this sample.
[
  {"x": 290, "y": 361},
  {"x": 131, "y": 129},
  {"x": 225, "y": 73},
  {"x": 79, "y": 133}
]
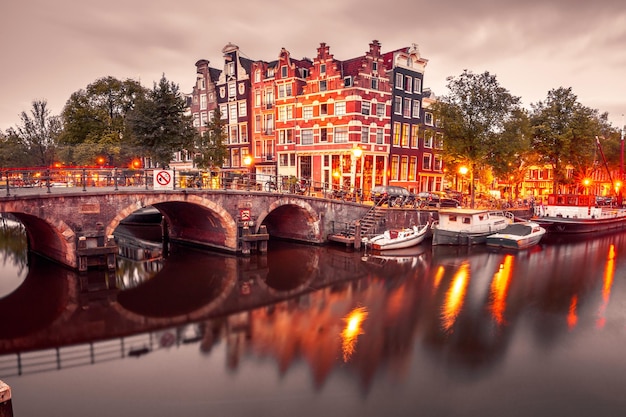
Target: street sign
[{"x": 163, "y": 179}]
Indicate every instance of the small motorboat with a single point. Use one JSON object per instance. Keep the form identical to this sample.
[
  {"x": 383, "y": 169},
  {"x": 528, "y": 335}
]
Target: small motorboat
[
  {"x": 520, "y": 235},
  {"x": 398, "y": 239}
]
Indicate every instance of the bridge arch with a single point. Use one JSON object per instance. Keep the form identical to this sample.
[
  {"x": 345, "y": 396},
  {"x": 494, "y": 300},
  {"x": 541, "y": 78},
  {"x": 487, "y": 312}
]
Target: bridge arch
[
  {"x": 192, "y": 218},
  {"x": 292, "y": 218}
]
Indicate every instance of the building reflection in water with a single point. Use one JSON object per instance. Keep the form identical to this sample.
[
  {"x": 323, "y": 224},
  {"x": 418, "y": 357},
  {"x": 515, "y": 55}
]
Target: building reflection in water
[{"x": 322, "y": 306}]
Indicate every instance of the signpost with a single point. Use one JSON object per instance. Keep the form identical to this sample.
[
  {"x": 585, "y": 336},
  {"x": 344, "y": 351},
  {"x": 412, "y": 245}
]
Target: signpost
[{"x": 163, "y": 179}]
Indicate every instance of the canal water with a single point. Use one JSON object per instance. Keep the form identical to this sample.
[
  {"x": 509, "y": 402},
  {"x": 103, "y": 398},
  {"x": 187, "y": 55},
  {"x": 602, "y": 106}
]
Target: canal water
[{"x": 313, "y": 331}]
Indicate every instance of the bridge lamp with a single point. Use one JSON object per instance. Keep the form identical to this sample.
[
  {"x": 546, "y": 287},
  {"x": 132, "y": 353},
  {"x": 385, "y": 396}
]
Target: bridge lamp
[
  {"x": 463, "y": 171},
  {"x": 586, "y": 183},
  {"x": 357, "y": 152},
  {"x": 247, "y": 161},
  {"x": 136, "y": 163},
  {"x": 100, "y": 161}
]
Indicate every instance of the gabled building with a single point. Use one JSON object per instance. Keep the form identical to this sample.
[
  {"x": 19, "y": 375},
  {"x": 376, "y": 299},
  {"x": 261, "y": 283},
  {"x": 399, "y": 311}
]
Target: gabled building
[
  {"x": 415, "y": 147},
  {"x": 233, "y": 99}
]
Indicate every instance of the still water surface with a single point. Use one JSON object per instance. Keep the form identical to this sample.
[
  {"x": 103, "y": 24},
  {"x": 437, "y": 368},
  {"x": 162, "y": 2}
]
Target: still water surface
[{"x": 312, "y": 331}]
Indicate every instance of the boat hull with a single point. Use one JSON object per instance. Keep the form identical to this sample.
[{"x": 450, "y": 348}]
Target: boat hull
[
  {"x": 558, "y": 225},
  {"x": 449, "y": 237},
  {"x": 513, "y": 242},
  {"x": 386, "y": 242}
]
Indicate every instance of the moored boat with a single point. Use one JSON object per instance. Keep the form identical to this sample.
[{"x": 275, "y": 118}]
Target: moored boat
[
  {"x": 574, "y": 213},
  {"x": 398, "y": 239},
  {"x": 462, "y": 226},
  {"x": 520, "y": 235}
]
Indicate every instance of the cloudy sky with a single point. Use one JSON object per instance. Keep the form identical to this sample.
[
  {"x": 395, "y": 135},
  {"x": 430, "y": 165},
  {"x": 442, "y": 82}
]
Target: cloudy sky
[{"x": 49, "y": 49}]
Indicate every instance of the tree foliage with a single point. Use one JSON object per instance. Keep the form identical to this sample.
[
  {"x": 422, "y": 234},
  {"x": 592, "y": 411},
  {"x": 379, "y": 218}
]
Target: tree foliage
[
  {"x": 211, "y": 147},
  {"x": 37, "y": 134},
  {"x": 159, "y": 124},
  {"x": 95, "y": 122},
  {"x": 474, "y": 115},
  {"x": 564, "y": 133}
]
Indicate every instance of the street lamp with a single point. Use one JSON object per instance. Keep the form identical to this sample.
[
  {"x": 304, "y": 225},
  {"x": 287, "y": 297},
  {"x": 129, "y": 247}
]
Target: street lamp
[
  {"x": 357, "y": 152},
  {"x": 247, "y": 161},
  {"x": 586, "y": 183},
  {"x": 463, "y": 171}
]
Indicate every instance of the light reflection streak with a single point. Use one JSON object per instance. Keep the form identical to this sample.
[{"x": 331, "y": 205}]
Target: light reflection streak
[
  {"x": 500, "y": 289},
  {"x": 438, "y": 277},
  {"x": 572, "y": 316},
  {"x": 609, "y": 273},
  {"x": 455, "y": 297},
  {"x": 352, "y": 331}
]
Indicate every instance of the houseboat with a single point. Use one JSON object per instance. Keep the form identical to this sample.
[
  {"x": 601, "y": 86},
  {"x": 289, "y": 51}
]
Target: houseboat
[
  {"x": 574, "y": 213},
  {"x": 462, "y": 226}
]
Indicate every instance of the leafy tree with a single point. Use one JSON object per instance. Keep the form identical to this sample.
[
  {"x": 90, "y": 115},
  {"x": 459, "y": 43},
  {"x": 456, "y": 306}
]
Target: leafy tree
[
  {"x": 211, "y": 147},
  {"x": 13, "y": 152},
  {"x": 564, "y": 133},
  {"x": 38, "y": 133},
  {"x": 95, "y": 122},
  {"x": 474, "y": 115},
  {"x": 159, "y": 124}
]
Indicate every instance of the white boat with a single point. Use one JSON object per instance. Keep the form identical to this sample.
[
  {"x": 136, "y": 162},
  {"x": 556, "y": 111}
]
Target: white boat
[
  {"x": 398, "y": 239},
  {"x": 519, "y": 235},
  {"x": 462, "y": 226}
]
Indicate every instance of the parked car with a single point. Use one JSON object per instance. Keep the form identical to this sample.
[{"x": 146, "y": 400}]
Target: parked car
[
  {"x": 436, "y": 199},
  {"x": 392, "y": 195}
]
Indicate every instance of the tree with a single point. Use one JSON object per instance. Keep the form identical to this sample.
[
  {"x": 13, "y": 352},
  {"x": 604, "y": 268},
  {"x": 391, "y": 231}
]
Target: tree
[
  {"x": 473, "y": 116},
  {"x": 159, "y": 124},
  {"x": 564, "y": 134},
  {"x": 211, "y": 147},
  {"x": 38, "y": 133},
  {"x": 95, "y": 122},
  {"x": 13, "y": 152}
]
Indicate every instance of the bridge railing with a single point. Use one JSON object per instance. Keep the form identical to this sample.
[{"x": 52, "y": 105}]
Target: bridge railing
[{"x": 18, "y": 180}]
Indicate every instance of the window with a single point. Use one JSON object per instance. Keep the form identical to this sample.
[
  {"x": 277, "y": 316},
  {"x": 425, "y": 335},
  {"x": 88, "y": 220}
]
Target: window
[
  {"x": 397, "y": 105},
  {"x": 406, "y": 111},
  {"x": 233, "y": 134},
  {"x": 365, "y": 134},
  {"x": 257, "y": 123},
  {"x": 426, "y": 162},
  {"x": 365, "y": 108},
  {"x": 232, "y": 90},
  {"x": 284, "y": 159},
  {"x": 323, "y": 108},
  {"x": 412, "y": 168},
  {"x": 438, "y": 140},
  {"x": 243, "y": 133},
  {"x": 428, "y": 139},
  {"x": 397, "y": 129},
  {"x": 269, "y": 98},
  {"x": 232, "y": 112},
  {"x": 417, "y": 85},
  {"x": 243, "y": 111},
  {"x": 283, "y": 71},
  {"x": 341, "y": 134},
  {"x": 438, "y": 163},
  {"x": 394, "y": 167},
  {"x": 347, "y": 81},
  {"x": 340, "y": 108},
  {"x": 374, "y": 66},
  {"x": 408, "y": 83},
  {"x": 203, "y": 119},
  {"x": 415, "y": 131},
  {"x": 405, "y": 135},
  {"x": 416, "y": 109},
  {"x": 201, "y": 83},
  {"x": 404, "y": 167},
  {"x": 230, "y": 68},
  {"x": 307, "y": 112},
  {"x": 399, "y": 81},
  {"x": 257, "y": 98},
  {"x": 380, "y": 135},
  {"x": 257, "y": 76},
  {"x": 380, "y": 109},
  {"x": 428, "y": 118},
  {"x": 374, "y": 83},
  {"x": 306, "y": 136},
  {"x": 323, "y": 134},
  {"x": 285, "y": 136},
  {"x": 269, "y": 124},
  {"x": 203, "y": 102},
  {"x": 323, "y": 69},
  {"x": 224, "y": 111},
  {"x": 282, "y": 113},
  {"x": 323, "y": 85}
]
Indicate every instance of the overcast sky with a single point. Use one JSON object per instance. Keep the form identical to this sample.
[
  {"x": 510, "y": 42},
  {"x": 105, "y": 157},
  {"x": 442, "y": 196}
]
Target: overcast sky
[{"x": 50, "y": 49}]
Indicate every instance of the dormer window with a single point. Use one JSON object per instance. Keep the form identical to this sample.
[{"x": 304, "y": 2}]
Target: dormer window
[
  {"x": 347, "y": 81},
  {"x": 323, "y": 69},
  {"x": 283, "y": 71},
  {"x": 374, "y": 66}
]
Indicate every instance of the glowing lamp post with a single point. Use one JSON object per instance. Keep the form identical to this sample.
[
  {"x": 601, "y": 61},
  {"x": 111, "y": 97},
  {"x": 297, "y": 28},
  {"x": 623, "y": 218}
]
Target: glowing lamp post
[
  {"x": 247, "y": 161},
  {"x": 357, "y": 152},
  {"x": 586, "y": 183}
]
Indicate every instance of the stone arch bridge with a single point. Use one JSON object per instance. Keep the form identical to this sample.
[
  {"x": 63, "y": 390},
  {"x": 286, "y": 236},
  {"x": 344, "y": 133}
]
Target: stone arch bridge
[{"x": 75, "y": 228}]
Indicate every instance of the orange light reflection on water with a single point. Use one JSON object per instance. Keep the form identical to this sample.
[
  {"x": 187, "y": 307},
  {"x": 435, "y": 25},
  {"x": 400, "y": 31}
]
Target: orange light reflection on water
[
  {"x": 455, "y": 297},
  {"x": 609, "y": 273},
  {"x": 572, "y": 316},
  {"x": 500, "y": 289},
  {"x": 352, "y": 330}
]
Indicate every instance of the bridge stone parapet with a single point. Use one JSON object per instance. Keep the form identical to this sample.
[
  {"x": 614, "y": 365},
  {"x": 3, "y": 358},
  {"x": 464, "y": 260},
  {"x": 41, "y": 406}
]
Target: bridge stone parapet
[{"x": 73, "y": 227}]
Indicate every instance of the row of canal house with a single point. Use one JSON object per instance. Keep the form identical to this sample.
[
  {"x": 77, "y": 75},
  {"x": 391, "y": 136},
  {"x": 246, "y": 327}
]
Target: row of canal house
[{"x": 355, "y": 123}]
